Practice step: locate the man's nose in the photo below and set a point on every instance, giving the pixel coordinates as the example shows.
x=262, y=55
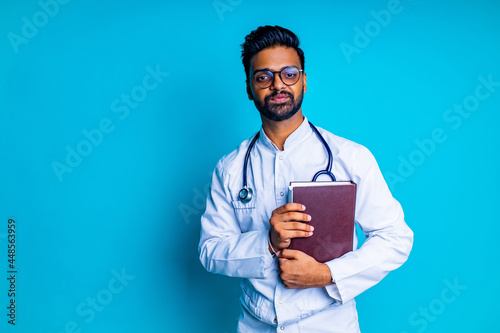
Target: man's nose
x=277, y=83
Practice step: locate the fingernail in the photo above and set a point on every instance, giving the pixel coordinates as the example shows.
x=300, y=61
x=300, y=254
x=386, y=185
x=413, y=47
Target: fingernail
x=303, y=207
x=310, y=234
x=311, y=228
x=309, y=217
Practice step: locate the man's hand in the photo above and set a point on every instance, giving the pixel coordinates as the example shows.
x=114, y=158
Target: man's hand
x=287, y=222
x=300, y=271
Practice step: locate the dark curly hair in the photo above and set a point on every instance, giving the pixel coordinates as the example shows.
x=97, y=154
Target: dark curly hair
x=265, y=37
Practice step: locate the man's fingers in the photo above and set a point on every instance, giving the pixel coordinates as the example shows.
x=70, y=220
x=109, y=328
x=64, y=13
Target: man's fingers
x=289, y=222
x=291, y=286
x=296, y=216
x=289, y=207
x=290, y=216
x=297, y=226
x=285, y=231
x=288, y=235
x=290, y=254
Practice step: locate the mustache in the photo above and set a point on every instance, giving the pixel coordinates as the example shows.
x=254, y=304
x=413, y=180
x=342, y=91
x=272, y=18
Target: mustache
x=268, y=97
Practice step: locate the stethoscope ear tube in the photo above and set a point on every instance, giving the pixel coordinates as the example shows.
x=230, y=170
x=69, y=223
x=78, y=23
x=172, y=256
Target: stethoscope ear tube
x=246, y=193
x=247, y=157
x=328, y=170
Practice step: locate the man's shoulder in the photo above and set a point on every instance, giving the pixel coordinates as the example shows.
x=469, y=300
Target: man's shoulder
x=340, y=145
x=235, y=159
x=351, y=156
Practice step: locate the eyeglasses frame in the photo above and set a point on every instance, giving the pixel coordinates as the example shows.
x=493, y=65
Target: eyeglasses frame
x=252, y=77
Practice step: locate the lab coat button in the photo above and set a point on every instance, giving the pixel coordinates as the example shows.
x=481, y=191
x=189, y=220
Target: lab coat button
x=282, y=328
x=282, y=194
x=281, y=157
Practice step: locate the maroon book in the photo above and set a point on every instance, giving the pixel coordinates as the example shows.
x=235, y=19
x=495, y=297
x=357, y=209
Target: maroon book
x=331, y=206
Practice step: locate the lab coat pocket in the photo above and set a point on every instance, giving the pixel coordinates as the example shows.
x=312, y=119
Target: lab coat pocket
x=246, y=215
x=251, y=300
x=314, y=300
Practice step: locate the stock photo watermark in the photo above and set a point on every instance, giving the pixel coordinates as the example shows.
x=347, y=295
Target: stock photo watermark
x=454, y=118
x=197, y=205
x=372, y=29
x=88, y=309
x=94, y=137
x=11, y=271
x=425, y=315
x=223, y=6
x=31, y=26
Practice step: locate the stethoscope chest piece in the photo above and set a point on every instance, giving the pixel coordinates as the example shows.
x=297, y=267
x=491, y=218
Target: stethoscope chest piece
x=245, y=194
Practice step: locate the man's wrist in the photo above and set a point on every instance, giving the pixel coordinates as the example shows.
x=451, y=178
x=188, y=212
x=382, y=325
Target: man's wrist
x=328, y=278
x=328, y=275
x=270, y=245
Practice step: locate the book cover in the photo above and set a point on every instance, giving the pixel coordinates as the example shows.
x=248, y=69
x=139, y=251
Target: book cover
x=331, y=206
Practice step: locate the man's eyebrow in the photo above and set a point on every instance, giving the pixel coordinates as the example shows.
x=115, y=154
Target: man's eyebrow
x=268, y=69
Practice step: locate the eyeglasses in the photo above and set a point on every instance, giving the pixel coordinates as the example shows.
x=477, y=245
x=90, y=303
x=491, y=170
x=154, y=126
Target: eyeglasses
x=288, y=75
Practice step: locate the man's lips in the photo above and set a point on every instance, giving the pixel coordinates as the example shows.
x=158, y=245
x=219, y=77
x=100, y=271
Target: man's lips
x=280, y=98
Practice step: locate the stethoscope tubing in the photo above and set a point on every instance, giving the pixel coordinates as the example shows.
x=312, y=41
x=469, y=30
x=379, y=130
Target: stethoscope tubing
x=246, y=192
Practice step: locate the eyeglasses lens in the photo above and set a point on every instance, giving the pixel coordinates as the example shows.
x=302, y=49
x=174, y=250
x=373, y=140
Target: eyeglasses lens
x=289, y=76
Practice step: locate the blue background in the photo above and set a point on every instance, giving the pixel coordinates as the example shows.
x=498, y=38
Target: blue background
x=132, y=204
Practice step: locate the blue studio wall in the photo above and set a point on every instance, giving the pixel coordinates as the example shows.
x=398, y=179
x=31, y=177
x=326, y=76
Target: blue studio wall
x=113, y=115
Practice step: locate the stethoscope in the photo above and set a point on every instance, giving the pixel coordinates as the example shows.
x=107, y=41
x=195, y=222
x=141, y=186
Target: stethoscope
x=246, y=193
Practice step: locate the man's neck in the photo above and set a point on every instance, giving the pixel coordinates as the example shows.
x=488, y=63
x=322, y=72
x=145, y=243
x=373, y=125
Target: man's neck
x=279, y=131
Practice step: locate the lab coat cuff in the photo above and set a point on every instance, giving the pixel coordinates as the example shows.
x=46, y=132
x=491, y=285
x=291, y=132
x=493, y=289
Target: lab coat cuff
x=267, y=259
x=333, y=289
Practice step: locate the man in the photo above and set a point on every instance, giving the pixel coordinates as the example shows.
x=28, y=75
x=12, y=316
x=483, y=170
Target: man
x=286, y=290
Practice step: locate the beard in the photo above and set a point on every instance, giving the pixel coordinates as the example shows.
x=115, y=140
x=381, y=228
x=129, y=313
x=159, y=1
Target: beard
x=279, y=111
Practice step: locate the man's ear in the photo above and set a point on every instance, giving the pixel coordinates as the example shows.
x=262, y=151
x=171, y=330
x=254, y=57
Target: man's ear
x=249, y=91
x=304, y=76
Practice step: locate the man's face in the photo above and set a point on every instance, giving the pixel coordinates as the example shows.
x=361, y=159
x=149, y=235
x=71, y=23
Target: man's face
x=278, y=101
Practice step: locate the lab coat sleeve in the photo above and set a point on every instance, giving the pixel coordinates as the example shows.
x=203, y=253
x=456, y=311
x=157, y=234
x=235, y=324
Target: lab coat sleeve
x=389, y=240
x=224, y=248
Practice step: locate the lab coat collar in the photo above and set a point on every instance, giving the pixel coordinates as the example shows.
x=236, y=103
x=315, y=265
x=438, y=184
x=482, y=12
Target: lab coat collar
x=297, y=136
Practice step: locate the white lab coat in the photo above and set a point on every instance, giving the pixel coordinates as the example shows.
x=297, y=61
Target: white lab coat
x=234, y=235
